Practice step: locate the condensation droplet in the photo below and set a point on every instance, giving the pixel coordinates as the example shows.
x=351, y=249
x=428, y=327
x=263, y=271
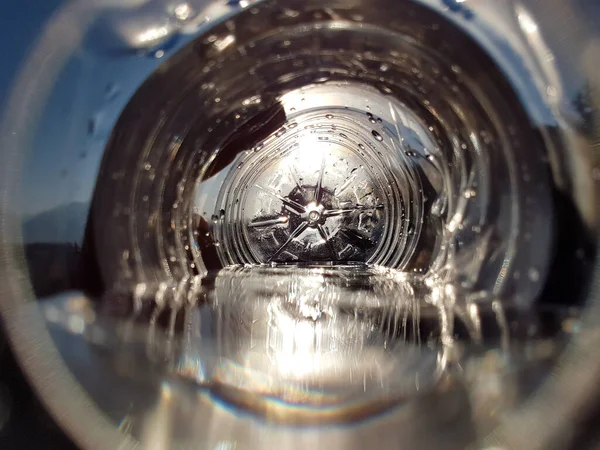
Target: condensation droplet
x=183, y=11
x=469, y=193
x=377, y=136
x=534, y=275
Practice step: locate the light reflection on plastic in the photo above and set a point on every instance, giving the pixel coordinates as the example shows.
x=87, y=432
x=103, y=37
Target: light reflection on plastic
x=527, y=23
x=152, y=34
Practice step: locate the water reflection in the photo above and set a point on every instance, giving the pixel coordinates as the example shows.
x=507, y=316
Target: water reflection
x=255, y=347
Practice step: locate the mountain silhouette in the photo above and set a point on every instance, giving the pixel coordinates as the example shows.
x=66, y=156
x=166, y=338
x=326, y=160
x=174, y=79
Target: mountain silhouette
x=63, y=224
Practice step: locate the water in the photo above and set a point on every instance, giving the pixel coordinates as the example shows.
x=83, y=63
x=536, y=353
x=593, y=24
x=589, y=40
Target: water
x=310, y=347
x=315, y=216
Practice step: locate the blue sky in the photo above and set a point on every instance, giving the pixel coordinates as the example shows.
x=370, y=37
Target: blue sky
x=85, y=103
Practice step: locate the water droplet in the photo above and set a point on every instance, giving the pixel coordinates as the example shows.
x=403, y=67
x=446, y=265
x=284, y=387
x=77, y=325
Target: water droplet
x=384, y=67
x=517, y=275
x=111, y=91
x=147, y=166
x=222, y=214
x=91, y=126
x=182, y=12
x=534, y=275
x=361, y=146
x=217, y=100
x=329, y=116
x=377, y=136
x=291, y=13
x=215, y=218
x=455, y=68
x=469, y=193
